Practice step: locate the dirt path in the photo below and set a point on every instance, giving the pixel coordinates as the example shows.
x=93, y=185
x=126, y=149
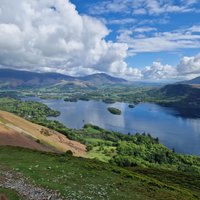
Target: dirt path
x=29, y=191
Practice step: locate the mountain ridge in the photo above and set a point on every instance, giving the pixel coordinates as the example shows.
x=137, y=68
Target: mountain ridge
x=11, y=78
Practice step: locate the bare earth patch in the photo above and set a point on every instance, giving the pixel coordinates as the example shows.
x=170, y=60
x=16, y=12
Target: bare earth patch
x=15, y=131
x=13, y=138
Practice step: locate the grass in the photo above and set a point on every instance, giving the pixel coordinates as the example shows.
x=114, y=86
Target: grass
x=92, y=130
x=170, y=177
x=101, y=154
x=94, y=140
x=10, y=194
x=82, y=179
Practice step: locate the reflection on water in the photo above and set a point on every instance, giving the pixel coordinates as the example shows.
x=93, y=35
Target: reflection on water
x=181, y=133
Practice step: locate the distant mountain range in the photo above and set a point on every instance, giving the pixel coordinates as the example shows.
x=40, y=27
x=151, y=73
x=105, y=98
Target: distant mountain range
x=10, y=78
x=102, y=78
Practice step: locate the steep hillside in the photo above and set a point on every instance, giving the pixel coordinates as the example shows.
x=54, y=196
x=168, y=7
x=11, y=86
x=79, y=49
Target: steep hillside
x=174, y=90
x=15, y=131
x=13, y=78
x=184, y=98
x=187, y=94
x=192, y=81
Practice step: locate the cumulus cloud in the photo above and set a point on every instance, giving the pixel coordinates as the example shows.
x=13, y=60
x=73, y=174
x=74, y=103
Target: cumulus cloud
x=189, y=65
x=159, y=72
x=50, y=35
x=188, y=68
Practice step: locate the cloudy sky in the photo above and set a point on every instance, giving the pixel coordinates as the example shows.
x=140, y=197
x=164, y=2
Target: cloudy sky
x=154, y=40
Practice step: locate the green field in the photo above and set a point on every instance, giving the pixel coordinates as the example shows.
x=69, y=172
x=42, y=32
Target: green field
x=79, y=178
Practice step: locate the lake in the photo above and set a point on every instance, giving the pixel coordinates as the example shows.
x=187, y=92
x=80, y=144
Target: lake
x=183, y=134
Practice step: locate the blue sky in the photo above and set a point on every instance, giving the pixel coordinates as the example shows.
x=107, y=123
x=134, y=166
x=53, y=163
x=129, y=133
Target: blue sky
x=121, y=16
x=153, y=40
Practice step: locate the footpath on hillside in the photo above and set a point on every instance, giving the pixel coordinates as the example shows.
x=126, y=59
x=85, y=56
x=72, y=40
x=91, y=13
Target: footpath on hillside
x=26, y=189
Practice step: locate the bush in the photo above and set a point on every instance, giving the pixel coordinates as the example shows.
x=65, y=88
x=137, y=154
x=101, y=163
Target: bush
x=69, y=153
x=38, y=141
x=89, y=147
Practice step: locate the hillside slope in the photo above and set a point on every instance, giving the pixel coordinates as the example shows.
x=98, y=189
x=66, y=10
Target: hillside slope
x=192, y=81
x=15, y=131
x=84, y=179
x=14, y=78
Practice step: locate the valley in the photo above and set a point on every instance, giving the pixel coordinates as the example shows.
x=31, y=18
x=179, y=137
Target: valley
x=99, y=100
x=55, y=120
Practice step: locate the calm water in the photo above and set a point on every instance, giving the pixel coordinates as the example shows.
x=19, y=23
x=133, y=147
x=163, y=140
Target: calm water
x=181, y=133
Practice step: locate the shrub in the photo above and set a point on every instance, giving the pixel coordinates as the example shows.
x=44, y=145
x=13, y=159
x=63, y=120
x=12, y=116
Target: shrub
x=69, y=153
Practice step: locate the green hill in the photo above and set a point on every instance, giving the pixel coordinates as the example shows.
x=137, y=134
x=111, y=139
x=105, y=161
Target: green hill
x=182, y=97
x=192, y=81
x=82, y=179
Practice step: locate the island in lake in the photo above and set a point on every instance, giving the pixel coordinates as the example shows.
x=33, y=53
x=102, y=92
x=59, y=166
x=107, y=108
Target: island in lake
x=114, y=111
x=131, y=106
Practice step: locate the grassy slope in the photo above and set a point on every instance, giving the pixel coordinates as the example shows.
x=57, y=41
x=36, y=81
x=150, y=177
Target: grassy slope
x=79, y=178
x=88, y=179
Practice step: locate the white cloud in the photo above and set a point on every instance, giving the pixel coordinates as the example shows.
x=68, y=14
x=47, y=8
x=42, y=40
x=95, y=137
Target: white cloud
x=161, y=41
x=115, y=6
x=189, y=65
x=194, y=28
x=139, y=11
x=188, y=68
x=151, y=7
x=122, y=21
x=159, y=7
x=144, y=29
x=50, y=35
x=159, y=72
x=189, y=2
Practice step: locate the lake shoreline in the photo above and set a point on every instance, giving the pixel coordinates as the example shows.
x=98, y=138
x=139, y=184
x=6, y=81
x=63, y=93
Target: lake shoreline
x=141, y=119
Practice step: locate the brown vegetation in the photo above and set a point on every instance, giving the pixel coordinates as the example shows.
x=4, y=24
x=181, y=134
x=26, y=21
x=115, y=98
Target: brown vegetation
x=15, y=131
